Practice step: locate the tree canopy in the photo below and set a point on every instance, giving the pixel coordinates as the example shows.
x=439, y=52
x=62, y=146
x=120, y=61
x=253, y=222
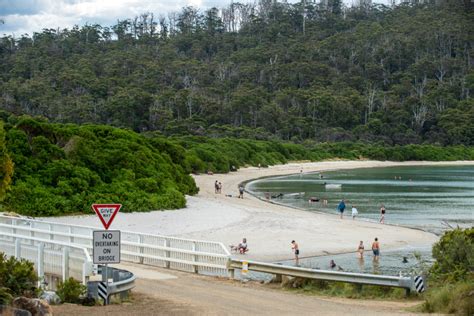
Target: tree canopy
x=396, y=75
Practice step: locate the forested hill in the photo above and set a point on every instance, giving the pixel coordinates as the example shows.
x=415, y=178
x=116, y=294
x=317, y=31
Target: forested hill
x=397, y=75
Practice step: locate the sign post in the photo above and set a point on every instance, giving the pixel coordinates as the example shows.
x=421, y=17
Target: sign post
x=106, y=243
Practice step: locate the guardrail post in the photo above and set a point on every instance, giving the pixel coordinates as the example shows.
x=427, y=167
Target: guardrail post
x=70, y=232
x=17, y=248
x=278, y=278
x=230, y=270
x=65, y=263
x=32, y=233
x=142, y=250
x=51, y=235
x=40, y=265
x=167, y=253
x=14, y=223
x=195, y=267
x=85, y=273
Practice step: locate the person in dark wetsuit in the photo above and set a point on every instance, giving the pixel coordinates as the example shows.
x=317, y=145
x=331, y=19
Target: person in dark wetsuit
x=341, y=207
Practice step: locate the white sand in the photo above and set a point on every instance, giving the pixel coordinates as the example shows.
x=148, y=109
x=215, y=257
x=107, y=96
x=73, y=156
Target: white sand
x=269, y=228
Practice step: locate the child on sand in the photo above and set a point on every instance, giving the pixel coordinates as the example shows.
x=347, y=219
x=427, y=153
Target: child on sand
x=354, y=212
x=241, y=192
x=296, y=250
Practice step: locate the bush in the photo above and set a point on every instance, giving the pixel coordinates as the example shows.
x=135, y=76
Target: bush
x=455, y=298
x=454, y=254
x=342, y=289
x=452, y=275
x=5, y=296
x=71, y=291
x=17, y=277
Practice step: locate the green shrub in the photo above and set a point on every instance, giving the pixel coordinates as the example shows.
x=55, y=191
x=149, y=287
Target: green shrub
x=17, y=277
x=61, y=169
x=71, y=291
x=454, y=254
x=342, y=289
x=5, y=296
x=451, y=281
x=455, y=298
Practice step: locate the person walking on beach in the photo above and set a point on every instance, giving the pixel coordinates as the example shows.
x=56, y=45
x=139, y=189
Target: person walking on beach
x=341, y=207
x=382, y=214
x=354, y=212
x=360, y=250
x=376, y=249
x=216, y=187
x=296, y=250
x=219, y=190
x=241, y=192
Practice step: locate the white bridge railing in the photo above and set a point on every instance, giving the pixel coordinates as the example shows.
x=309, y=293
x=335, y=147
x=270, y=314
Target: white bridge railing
x=50, y=257
x=197, y=256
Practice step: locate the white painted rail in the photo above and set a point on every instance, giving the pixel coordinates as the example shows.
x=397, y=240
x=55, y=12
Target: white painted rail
x=197, y=256
x=357, y=278
x=50, y=257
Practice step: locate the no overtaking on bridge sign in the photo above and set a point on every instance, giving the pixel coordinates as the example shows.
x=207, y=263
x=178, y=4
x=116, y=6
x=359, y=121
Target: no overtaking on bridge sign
x=106, y=248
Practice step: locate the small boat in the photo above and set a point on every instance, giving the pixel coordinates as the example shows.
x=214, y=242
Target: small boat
x=333, y=185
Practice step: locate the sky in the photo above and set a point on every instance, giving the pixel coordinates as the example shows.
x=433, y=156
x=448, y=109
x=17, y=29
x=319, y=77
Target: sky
x=28, y=16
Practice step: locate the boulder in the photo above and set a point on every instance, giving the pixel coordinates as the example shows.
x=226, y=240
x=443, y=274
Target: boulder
x=37, y=307
x=51, y=297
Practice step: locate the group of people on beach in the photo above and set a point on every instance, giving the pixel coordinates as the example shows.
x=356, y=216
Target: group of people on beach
x=242, y=247
x=341, y=207
x=218, y=190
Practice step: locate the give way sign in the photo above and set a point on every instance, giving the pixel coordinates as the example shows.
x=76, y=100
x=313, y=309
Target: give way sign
x=106, y=212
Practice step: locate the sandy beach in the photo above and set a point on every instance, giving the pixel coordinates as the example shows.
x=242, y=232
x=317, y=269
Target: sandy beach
x=269, y=228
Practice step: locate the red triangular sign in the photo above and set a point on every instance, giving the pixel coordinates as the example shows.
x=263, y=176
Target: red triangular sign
x=106, y=212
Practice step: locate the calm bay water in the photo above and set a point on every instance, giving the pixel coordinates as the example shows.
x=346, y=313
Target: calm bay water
x=425, y=197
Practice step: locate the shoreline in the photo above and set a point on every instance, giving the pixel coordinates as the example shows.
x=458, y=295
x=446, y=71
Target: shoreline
x=268, y=227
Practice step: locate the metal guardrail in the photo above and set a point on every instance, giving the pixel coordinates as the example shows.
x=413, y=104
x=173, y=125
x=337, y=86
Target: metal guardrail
x=357, y=278
x=189, y=255
x=122, y=282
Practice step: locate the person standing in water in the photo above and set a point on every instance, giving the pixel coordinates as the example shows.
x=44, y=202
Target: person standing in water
x=360, y=250
x=376, y=249
x=382, y=214
x=341, y=207
x=296, y=250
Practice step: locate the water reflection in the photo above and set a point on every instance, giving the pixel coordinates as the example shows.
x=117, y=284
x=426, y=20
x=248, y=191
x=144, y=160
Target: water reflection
x=375, y=266
x=361, y=265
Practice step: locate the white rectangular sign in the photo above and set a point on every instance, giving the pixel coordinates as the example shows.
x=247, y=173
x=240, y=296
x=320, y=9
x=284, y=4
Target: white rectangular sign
x=106, y=246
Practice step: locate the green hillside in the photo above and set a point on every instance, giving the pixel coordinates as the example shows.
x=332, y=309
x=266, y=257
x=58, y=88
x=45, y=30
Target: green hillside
x=400, y=75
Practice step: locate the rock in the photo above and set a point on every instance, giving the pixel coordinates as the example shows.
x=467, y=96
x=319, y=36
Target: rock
x=51, y=297
x=37, y=307
x=294, y=282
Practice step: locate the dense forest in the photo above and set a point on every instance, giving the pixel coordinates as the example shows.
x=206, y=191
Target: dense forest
x=374, y=74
